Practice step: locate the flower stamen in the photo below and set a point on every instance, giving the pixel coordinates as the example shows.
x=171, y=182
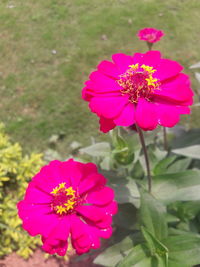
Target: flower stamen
x=64, y=199
x=138, y=81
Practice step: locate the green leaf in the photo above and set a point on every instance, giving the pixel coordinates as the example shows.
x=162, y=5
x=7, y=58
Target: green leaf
x=172, y=219
x=190, y=151
x=182, y=186
x=186, y=210
x=137, y=171
x=191, y=209
x=171, y=165
x=106, y=163
x=126, y=216
x=184, y=248
x=112, y=255
x=122, y=153
x=132, y=140
x=118, y=141
x=173, y=263
x=189, y=138
x=138, y=256
x=161, y=261
x=101, y=149
x=179, y=165
x=153, y=216
x=155, y=155
x=126, y=189
x=162, y=166
x=159, y=250
x=123, y=157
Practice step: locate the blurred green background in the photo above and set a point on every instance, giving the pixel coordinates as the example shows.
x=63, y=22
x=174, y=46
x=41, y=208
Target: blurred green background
x=48, y=48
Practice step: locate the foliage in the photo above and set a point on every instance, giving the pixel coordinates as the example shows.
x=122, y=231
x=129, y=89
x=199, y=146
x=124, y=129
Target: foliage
x=160, y=229
x=15, y=172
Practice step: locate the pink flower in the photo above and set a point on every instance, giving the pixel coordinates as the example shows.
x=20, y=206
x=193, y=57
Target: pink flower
x=151, y=35
x=68, y=200
x=143, y=89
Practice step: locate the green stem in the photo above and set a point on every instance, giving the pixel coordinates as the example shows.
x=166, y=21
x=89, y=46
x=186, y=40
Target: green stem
x=150, y=45
x=142, y=141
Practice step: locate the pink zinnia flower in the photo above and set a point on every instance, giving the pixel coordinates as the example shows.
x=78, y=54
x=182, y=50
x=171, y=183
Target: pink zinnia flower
x=143, y=89
x=151, y=35
x=68, y=200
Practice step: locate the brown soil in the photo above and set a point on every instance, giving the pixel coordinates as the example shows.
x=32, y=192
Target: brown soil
x=38, y=260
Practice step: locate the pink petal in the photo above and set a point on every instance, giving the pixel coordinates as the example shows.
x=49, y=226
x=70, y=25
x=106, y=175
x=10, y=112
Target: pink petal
x=109, y=69
x=86, y=169
x=56, y=241
x=137, y=58
x=111, y=208
x=87, y=94
x=105, y=223
x=90, y=92
x=60, y=248
x=108, y=107
x=102, y=83
x=151, y=58
x=176, y=90
x=37, y=219
x=71, y=173
x=77, y=227
x=48, y=248
x=61, y=230
x=106, y=124
x=83, y=237
x=93, y=214
x=122, y=61
x=101, y=197
x=82, y=243
x=183, y=110
x=55, y=173
x=167, y=69
x=146, y=116
x=93, y=181
x=104, y=233
x=168, y=115
x=49, y=177
x=36, y=196
x=104, y=218
x=126, y=118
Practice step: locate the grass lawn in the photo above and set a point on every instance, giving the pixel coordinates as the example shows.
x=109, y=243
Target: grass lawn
x=48, y=48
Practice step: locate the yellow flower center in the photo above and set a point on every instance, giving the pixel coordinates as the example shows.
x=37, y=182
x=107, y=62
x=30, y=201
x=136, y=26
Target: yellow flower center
x=138, y=81
x=65, y=199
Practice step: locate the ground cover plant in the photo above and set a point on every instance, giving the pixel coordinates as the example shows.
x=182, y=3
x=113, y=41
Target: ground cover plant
x=133, y=198
x=15, y=172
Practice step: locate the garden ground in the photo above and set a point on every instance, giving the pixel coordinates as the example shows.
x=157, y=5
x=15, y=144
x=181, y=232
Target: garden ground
x=38, y=260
